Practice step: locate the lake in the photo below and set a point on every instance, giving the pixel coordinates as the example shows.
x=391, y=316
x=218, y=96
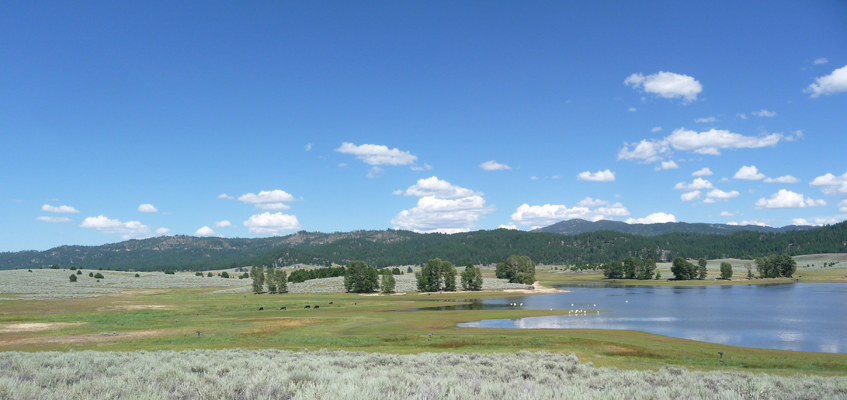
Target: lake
x=800, y=317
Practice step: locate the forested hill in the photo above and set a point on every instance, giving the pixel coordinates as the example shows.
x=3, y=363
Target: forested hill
x=393, y=247
x=577, y=226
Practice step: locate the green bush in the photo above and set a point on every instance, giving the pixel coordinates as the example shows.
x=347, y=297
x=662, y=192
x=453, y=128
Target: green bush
x=73, y=278
x=224, y=274
x=98, y=276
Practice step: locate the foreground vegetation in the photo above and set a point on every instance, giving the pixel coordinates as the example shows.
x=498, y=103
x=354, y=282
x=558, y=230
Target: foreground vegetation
x=266, y=374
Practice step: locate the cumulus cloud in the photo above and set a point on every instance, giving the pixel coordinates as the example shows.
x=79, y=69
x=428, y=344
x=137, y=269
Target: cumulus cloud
x=163, y=231
x=795, y=137
x=727, y=214
x=709, y=201
x=690, y=195
x=843, y=205
x=702, y=172
x=589, y=202
x=437, y=188
x=667, y=84
x=533, y=178
x=742, y=116
x=549, y=214
x=446, y=215
x=225, y=196
x=268, y=200
x=632, y=109
x=205, y=231
x=821, y=60
x=342, y=165
x=708, y=142
x=59, y=209
x=656, y=218
x=599, y=176
x=800, y=221
x=831, y=184
x=750, y=173
x=764, y=113
x=223, y=224
x=426, y=167
x=493, y=166
x=130, y=229
x=836, y=82
x=782, y=179
x=308, y=146
x=706, y=119
x=656, y=129
x=755, y=222
x=697, y=183
x=374, y=154
x=271, y=224
x=510, y=226
x=720, y=194
x=788, y=199
x=54, y=220
x=147, y=208
x=667, y=165
x=375, y=172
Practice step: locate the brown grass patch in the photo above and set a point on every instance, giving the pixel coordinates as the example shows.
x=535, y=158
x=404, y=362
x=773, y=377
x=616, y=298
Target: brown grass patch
x=135, y=307
x=90, y=338
x=273, y=326
x=39, y=326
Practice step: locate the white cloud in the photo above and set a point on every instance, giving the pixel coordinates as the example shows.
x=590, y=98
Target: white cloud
x=788, y=199
x=690, y=195
x=163, y=231
x=800, y=221
x=821, y=60
x=831, y=184
x=706, y=119
x=826, y=221
x=426, y=167
x=271, y=224
x=147, y=208
x=262, y=199
x=589, y=202
x=225, y=196
x=533, y=178
x=342, y=165
x=782, y=179
x=493, y=166
x=599, y=176
x=510, y=226
x=727, y=214
x=709, y=201
x=434, y=214
x=54, y=220
x=713, y=140
x=273, y=206
x=375, y=172
x=130, y=229
x=656, y=218
x=702, y=172
x=697, y=183
x=843, y=205
x=632, y=109
x=656, y=129
x=549, y=214
x=720, y=194
x=795, y=137
x=646, y=150
x=750, y=173
x=59, y=209
x=742, y=116
x=206, y=231
x=308, y=146
x=667, y=165
x=835, y=82
x=667, y=84
x=223, y=224
x=437, y=188
x=374, y=154
x=764, y=113
x=754, y=222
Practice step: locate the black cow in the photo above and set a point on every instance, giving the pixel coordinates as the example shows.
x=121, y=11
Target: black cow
x=261, y=308
x=317, y=307
x=282, y=308
x=308, y=306
x=330, y=302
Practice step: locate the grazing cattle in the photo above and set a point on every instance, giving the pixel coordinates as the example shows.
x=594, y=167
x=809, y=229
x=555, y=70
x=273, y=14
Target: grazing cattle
x=330, y=302
x=282, y=308
x=308, y=306
x=261, y=308
x=317, y=307
x=198, y=333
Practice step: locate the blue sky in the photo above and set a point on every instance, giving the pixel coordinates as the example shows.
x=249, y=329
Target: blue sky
x=247, y=119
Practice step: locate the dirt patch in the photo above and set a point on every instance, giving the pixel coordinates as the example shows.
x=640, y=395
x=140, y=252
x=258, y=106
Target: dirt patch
x=36, y=326
x=135, y=307
x=538, y=290
x=278, y=325
x=90, y=338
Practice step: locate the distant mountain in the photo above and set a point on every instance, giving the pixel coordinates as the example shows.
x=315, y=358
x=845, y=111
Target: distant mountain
x=577, y=226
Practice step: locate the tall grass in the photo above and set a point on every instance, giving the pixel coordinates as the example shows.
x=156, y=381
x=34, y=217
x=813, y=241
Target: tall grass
x=272, y=374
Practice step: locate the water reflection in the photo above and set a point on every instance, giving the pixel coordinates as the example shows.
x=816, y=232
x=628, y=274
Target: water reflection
x=803, y=317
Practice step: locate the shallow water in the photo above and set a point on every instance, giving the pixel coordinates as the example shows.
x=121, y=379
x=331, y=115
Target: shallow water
x=800, y=317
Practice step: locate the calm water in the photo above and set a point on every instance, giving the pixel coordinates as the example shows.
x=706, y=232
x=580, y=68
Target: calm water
x=801, y=317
